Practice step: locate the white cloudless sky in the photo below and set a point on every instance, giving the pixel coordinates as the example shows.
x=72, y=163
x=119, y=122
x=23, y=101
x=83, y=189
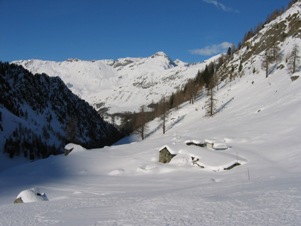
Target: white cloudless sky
x=190, y=30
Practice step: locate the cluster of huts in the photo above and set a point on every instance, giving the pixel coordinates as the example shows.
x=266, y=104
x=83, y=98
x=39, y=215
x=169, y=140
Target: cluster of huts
x=166, y=153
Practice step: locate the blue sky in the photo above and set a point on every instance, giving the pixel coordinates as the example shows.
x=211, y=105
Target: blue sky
x=190, y=30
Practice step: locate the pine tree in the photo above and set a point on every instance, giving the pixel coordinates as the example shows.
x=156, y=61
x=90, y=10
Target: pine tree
x=294, y=59
x=210, y=104
x=240, y=67
x=275, y=52
x=229, y=52
x=199, y=79
x=191, y=91
x=161, y=111
x=71, y=130
x=208, y=73
x=164, y=114
x=141, y=123
x=266, y=61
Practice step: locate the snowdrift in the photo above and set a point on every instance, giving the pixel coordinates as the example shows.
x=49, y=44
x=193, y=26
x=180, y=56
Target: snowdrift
x=31, y=195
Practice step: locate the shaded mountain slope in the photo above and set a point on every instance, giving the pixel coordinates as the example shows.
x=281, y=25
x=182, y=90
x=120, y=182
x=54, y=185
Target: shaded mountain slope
x=39, y=115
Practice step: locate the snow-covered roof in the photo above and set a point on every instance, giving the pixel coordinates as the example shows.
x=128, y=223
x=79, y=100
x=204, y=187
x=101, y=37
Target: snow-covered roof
x=193, y=141
x=210, y=141
x=206, y=157
x=220, y=146
x=172, y=151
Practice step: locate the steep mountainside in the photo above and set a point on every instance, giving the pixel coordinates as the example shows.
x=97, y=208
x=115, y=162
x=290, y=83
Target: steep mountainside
x=272, y=48
x=120, y=85
x=39, y=115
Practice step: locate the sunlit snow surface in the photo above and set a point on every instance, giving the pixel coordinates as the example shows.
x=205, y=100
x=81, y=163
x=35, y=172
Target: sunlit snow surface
x=121, y=85
x=126, y=185
x=259, y=120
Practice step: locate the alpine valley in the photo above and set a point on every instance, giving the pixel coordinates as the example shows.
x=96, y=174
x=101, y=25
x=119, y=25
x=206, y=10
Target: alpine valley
x=228, y=154
x=123, y=84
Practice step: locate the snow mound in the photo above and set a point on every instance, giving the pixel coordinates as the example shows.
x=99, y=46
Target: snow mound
x=31, y=195
x=181, y=159
x=74, y=148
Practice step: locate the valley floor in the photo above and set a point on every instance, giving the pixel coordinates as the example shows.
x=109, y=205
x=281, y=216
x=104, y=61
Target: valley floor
x=185, y=198
x=126, y=185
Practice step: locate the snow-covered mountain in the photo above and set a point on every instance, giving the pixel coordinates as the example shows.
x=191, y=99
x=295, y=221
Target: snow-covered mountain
x=258, y=117
x=39, y=115
x=273, y=44
x=120, y=85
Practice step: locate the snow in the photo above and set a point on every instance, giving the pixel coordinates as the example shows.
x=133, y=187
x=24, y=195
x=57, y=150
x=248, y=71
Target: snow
x=121, y=85
x=74, y=148
x=32, y=195
x=125, y=184
x=220, y=146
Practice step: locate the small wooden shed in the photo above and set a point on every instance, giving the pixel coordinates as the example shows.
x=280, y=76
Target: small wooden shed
x=165, y=155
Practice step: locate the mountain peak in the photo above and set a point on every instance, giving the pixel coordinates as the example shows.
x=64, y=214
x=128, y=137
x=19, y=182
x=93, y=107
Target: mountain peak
x=117, y=84
x=160, y=54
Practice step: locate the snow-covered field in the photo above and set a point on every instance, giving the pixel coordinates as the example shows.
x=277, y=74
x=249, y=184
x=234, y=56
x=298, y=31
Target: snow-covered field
x=259, y=119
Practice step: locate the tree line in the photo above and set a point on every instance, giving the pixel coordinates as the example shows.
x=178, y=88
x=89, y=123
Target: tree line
x=252, y=32
x=273, y=55
x=204, y=84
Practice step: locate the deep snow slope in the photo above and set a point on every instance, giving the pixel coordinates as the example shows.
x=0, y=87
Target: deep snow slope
x=257, y=117
x=126, y=185
x=120, y=85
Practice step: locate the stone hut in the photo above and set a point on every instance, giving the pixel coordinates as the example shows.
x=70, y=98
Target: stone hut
x=165, y=155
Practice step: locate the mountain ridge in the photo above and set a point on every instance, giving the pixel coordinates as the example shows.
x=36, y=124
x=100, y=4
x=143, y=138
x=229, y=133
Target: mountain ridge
x=257, y=117
x=120, y=85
